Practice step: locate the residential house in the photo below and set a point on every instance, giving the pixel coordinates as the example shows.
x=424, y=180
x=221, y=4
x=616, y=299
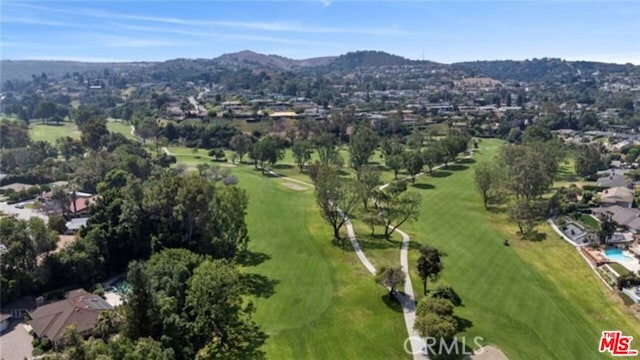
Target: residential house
x=614, y=180
x=81, y=204
x=629, y=218
x=74, y=225
x=79, y=307
x=621, y=196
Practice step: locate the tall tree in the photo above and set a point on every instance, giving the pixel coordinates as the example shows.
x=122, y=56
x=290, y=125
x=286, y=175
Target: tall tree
x=488, y=181
x=240, y=143
x=221, y=326
x=368, y=180
x=395, y=208
x=390, y=277
x=432, y=156
x=267, y=151
x=429, y=265
x=362, y=143
x=413, y=163
x=607, y=227
x=527, y=214
x=139, y=307
x=588, y=160
x=302, y=151
x=335, y=196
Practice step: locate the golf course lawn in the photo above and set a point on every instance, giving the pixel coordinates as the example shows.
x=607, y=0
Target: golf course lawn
x=325, y=305
x=533, y=299
x=120, y=127
x=51, y=132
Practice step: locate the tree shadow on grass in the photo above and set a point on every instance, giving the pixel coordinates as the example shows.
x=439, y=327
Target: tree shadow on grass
x=456, y=167
x=282, y=166
x=259, y=285
x=376, y=242
x=467, y=161
x=440, y=173
x=534, y=236
x=391, y=302
x=252, y=258
x=422, y=186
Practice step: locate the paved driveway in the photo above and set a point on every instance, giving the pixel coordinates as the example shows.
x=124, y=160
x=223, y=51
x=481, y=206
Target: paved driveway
x=15, y=343
x=24, y=213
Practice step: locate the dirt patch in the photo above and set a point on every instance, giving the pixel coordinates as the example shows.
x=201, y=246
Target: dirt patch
x=64, y=240
x=294, y=186
x=488, y=353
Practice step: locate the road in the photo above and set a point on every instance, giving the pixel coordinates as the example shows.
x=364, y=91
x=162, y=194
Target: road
x=24, y=213
x=199, y=108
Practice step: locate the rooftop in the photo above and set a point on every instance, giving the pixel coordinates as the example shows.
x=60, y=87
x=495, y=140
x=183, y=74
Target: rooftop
x=80, y=308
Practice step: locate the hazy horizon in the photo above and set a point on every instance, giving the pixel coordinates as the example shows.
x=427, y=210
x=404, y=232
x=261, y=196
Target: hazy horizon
x=444, y=32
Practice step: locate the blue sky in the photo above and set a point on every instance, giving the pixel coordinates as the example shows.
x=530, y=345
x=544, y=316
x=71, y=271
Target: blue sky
x=434, y=30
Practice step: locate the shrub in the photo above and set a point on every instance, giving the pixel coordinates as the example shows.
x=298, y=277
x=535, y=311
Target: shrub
x=447, y=292
x=57, y=223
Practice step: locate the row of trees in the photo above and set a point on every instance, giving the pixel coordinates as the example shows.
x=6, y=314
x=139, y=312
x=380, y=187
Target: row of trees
x=524, y=173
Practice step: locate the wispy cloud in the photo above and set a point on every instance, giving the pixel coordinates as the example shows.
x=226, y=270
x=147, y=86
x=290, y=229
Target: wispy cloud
x=290, y=27
x=217, y=35
x=30, y=21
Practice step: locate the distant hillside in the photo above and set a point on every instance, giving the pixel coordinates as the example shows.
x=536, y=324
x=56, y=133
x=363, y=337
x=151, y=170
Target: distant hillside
x=24, y=69
x=364, y=59
x=276, y=62
x=541, y=69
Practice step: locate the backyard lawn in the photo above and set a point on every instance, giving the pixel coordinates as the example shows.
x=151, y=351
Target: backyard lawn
x=51, y=132
x=534, y=300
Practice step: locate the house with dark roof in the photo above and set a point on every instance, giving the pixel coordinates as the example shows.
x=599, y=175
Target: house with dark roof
x=79, y=308
x=614, y=180
x=622, y=196
x=629, y=218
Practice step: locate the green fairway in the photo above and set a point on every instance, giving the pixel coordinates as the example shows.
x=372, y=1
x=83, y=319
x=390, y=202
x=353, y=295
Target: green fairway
x=534, y=300
x=51, y=132
x=325, y=306
x=120, y=127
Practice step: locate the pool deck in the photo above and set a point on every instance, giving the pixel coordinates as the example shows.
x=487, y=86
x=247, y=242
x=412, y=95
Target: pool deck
x=632, y=265
x=112, y=298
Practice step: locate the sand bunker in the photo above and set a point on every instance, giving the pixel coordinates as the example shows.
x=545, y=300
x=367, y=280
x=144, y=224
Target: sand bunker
x=294, y=186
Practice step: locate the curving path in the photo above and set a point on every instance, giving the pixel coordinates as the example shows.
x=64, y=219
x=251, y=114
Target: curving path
x=407, y=298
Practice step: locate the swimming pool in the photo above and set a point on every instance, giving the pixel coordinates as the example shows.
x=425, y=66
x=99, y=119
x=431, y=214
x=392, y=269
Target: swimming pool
x=617, y=255
x=121, y=285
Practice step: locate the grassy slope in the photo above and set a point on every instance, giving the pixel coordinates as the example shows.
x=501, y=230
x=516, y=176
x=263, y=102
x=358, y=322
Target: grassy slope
x=50, y=132
x=535, y=300
x=120, y=128
x=326, y=305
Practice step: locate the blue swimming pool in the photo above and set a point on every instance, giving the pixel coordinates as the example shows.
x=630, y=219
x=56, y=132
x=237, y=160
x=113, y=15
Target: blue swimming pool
x=617, y=255
x=121, y=285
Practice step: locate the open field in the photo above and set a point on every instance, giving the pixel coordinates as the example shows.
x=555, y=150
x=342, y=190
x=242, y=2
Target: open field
x=534, y=300
x=51, y=132
x=325, y=305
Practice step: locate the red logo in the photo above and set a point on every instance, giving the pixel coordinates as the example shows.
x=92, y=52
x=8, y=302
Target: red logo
x=617, y=344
